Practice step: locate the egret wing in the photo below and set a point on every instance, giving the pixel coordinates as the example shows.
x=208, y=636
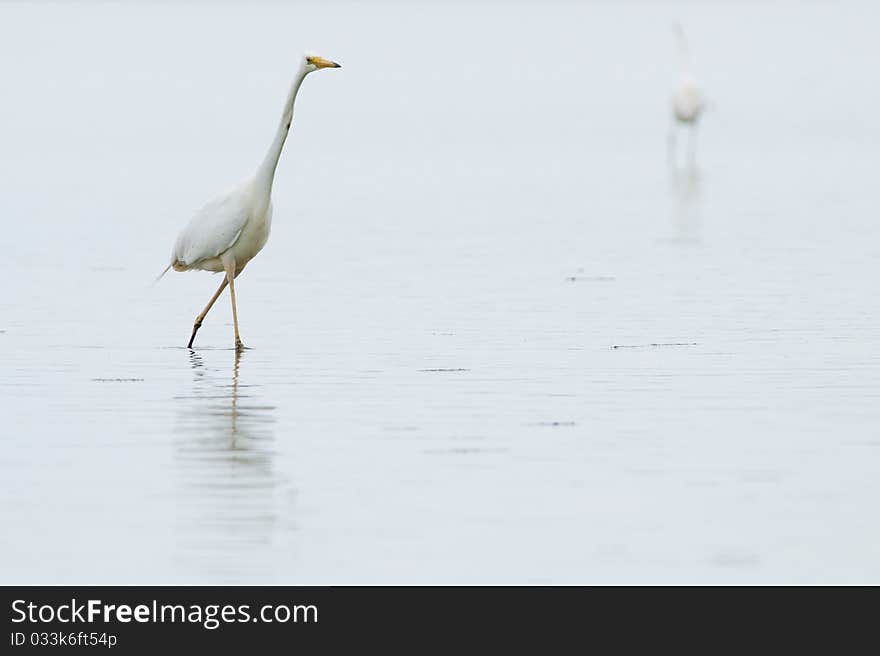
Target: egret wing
x=214, y=229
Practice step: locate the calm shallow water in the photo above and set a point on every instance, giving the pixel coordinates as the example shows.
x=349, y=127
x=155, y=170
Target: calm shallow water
x=493, y=338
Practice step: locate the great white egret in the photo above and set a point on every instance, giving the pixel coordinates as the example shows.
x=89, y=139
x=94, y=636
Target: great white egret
x=233, y=227
x=688, y=101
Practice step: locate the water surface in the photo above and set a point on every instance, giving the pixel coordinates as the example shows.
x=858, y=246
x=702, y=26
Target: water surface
x=493, y=337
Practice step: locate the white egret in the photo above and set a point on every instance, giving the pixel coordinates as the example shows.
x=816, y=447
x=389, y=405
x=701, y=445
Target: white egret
x=688, y=101
x=233, y=227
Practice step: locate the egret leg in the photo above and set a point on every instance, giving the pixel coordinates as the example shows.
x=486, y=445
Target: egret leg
x=670, y=145
x=204, y=313
x=692, y=145
x=229, y=265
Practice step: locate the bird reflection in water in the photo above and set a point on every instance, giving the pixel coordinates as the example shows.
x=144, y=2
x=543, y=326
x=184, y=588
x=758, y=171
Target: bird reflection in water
x=227, y=480
x=686, y=187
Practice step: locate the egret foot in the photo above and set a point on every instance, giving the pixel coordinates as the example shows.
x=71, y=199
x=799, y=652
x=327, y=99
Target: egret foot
x=196, y=326
x=239, y=346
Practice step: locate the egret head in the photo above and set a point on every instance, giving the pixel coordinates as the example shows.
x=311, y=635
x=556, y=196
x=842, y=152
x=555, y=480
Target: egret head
x=315, y=62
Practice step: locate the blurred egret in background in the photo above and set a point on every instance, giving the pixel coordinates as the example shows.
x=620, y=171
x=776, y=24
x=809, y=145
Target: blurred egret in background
x=688, y=101
x=233, y=227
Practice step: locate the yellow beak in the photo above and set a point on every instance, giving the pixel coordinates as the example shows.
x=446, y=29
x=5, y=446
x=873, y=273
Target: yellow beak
x=320, y=62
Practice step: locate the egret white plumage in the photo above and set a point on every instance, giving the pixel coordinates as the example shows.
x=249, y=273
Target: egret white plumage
x=232, y=228
x=688, y=100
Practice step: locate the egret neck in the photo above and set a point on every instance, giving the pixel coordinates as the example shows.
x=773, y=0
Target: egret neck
x=266, y=172
x=684, y=55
